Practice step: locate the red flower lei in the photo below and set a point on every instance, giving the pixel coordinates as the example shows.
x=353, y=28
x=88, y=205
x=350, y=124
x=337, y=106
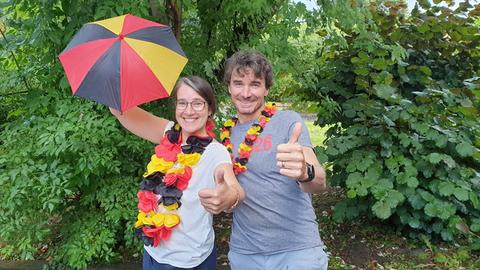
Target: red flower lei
x=245, y=148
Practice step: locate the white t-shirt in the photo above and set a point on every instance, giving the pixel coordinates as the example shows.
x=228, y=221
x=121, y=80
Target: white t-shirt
x=192, y=241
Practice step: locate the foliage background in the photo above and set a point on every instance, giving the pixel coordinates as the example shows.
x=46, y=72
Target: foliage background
x=399, y=91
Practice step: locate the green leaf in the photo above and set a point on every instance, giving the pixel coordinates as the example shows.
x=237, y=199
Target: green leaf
x=404, y=139
x=414, y=223
x=423, y=28
x=431, y=209
x=361, y=71
x=416, y=201
x=382, y=210
x=381, y=189
x=466, y=103
x=475, y=227
x=474, y=199
x=461, y=194
x=379, y=64
x=362, y=191
x=355, y=60
x=449, y=161
x=435, y=158
x=371, y=176
x=412, y=182
x=465, y=149
x=440, y=209
x=363, y=55
x=351, y=194
x=446, y=188
x=389, y=122
x=394, y=198
x=426, y=70
x=354, y=179
x=427, y=196
x=384, y=91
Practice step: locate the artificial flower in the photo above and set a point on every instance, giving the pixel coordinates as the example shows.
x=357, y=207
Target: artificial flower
x=171, y=220
x=244, y=147
x=251, y=137
x=167, y=150
x=224, y=134
x=189, y=159
x=157, y=165
x=170, y=195
x=254, y=130
x=147, y=201
x=244, y=154
x=229, y=123
x=171, y=207
x=158, y=219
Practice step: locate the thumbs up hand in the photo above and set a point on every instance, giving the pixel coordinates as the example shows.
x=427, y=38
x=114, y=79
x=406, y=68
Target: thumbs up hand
x=218, y=199
x=290, y=157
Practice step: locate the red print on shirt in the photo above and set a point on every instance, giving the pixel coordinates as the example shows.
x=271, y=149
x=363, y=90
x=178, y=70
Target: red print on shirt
x=262, y=144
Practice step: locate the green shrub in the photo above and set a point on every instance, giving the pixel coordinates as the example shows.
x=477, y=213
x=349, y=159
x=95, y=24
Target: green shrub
x=406, y=136
x=68, y=173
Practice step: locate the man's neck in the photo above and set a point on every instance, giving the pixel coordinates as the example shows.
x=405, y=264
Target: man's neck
x=242, y=118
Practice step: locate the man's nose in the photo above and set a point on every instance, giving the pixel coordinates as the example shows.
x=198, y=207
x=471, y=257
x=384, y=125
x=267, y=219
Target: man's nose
x=246, y=92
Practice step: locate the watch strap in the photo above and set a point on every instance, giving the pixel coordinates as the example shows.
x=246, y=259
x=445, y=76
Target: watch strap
x=310, y=174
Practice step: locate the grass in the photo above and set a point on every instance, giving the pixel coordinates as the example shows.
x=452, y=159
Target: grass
x=317, y=134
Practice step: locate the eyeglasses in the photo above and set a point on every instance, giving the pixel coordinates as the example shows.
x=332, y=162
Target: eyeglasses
x=197, y=105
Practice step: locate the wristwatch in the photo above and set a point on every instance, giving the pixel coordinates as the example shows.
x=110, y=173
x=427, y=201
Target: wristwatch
x=310, y=174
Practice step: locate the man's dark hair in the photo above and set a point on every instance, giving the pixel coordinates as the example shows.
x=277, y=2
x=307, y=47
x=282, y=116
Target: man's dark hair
x=242, y=61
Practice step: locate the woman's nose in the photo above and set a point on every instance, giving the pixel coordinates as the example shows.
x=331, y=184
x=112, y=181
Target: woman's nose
x=189, y=109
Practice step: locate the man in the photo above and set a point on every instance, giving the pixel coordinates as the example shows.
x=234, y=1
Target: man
x=275, y=227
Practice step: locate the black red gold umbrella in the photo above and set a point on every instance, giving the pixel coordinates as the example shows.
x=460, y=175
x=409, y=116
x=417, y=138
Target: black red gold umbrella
x=123, y=61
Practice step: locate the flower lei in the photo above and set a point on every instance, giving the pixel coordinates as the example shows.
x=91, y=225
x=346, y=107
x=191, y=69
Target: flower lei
x=167, y=175
x=245, y=148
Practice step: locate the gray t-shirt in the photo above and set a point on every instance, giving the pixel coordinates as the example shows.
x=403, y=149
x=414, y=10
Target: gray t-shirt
x=276, y=215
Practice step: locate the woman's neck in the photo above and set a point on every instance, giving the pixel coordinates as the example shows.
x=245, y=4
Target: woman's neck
x=200, y=133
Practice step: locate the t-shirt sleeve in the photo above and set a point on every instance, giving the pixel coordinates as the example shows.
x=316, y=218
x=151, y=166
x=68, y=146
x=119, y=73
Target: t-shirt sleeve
x=219, y=155
x=304, y=139
x=168, y=126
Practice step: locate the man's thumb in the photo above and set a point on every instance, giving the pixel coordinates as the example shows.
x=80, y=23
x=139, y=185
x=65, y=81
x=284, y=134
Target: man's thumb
x=297, y=131
x=220, y=177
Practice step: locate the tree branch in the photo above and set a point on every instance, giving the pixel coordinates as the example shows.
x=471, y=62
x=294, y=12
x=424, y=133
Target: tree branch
x=174, y=13
x=154, y=8
x=16, y=62
x=13, y=93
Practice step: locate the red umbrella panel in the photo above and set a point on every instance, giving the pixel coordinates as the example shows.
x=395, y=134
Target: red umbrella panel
x=123, y=61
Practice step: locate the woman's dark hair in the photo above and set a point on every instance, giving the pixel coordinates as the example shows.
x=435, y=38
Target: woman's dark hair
x=201, y=86
x=241, y=61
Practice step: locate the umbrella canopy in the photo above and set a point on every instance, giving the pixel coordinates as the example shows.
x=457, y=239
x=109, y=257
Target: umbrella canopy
x=123, y=61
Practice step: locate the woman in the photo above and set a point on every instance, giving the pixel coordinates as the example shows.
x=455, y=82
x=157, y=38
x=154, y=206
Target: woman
x=175, y=227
